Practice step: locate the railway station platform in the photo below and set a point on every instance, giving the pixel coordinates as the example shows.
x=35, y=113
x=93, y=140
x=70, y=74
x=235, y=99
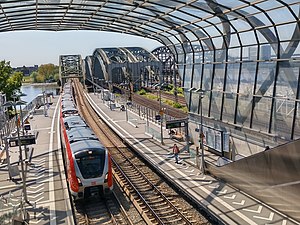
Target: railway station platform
x=222, y=201
x=46, y=187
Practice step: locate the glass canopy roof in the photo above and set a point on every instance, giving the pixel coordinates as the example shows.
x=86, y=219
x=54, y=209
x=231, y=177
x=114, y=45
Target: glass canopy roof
x=244, y=54
x=165, y=20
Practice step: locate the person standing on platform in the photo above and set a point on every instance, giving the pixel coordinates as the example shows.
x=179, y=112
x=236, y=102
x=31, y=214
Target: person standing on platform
x=176, y=152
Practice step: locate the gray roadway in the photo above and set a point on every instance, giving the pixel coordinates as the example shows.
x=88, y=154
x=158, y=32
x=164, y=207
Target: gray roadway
x=45, y=180
x=229, y=205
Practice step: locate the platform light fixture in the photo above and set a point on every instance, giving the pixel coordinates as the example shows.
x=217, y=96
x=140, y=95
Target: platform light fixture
x=201, y=134
x=14, y=104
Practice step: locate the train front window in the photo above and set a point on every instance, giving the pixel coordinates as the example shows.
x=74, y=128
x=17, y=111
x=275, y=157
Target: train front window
x=91, y=163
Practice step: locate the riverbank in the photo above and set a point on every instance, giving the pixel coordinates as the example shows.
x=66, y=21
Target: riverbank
x=54, y=84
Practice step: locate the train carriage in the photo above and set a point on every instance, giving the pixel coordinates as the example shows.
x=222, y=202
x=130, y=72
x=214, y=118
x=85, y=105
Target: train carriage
x=88, y=162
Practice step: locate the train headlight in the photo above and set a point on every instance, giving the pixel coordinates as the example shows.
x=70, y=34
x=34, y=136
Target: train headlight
x=79, y=181
x=106, y=177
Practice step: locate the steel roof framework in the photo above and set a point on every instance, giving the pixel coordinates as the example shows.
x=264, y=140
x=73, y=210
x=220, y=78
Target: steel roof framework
x=243, y=53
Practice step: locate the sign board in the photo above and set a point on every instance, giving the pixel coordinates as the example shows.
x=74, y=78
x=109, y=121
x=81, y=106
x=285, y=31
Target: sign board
x=175, y=123
x=27, y=127
x=25, y=140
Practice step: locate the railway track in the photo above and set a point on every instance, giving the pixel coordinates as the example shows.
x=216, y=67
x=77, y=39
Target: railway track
x=102, y=210
x=153, y=104
x=169, y=110
x=154, y=205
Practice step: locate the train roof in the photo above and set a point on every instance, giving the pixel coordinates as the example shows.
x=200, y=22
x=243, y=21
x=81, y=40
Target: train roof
x=74, y=121
x=81, y=133
x=86, y=145
x=69, y=109
x=67, y=103
x=67, y=96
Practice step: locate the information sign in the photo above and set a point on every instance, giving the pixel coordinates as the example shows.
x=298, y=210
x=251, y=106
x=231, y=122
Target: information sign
x=25, y=140
x=175, y=123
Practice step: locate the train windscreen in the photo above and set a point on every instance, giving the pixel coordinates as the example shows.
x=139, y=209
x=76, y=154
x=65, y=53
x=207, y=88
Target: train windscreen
x=90, y=163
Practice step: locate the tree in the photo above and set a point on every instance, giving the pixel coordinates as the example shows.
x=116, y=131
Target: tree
x=9, y=80
x=48, y=71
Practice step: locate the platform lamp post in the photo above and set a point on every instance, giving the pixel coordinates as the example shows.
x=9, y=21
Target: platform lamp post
x=18, y=95
x=201, y=134
x=14, y=105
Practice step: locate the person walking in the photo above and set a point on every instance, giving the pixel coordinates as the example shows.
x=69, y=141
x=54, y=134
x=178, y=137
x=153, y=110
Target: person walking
x=176, y=152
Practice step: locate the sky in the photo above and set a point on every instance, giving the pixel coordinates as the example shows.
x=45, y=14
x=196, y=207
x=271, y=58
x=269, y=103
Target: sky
x=28, y=48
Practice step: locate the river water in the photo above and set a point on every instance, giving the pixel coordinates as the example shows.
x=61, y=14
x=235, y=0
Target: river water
x=32, y=91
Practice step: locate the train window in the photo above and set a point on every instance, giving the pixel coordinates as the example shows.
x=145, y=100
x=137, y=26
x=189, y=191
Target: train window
x=91, y=165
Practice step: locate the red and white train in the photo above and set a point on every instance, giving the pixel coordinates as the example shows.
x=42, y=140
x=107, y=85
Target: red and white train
x=88, y=162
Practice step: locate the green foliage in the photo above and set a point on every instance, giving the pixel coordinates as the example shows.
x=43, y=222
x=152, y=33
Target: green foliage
x=9, y=80
x=177, y=105
x=178, y=89
x=142, y=92
x=27, y=79
x=47, y=72
x=33, y=76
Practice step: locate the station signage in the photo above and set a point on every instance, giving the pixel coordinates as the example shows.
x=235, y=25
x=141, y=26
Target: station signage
x=25, y=140
x=175, y=123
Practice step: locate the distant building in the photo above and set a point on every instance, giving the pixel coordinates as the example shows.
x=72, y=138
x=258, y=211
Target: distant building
x=265, y=52
x=26, y=70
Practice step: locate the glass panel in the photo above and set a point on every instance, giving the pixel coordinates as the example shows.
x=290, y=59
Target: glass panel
x=208, y=56
x=262, y=113
x=216, y=104
x=247, y=78
x=205, y=103
x=249, y=10
x=219, y=77
x=234, y=54
x=197, y=76
x=297, y=123
x=187, y=96
x=189, y=58
x=286, y=31
x=194, y=102
x=212, y=31
x=240, y=25
x=191, y=36
x=174, y=40
x=248, y=38
x=232, y=77
x=218, y=42
x=181, y=15
x=188, y=76
x=230, y=3
x=265, y=78
x=281, y=15
x=250, y=53
x=207, y=76
x=265, y=52
x=270, y=4
x=244, y=110
x=229, y=107
x=262, y=18
x=287, y=82
x=198, y=57
x=234, y=41
x=181, y=58
x=220, y=55
x=283, y=117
